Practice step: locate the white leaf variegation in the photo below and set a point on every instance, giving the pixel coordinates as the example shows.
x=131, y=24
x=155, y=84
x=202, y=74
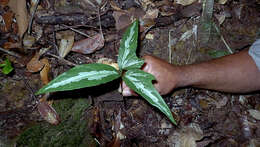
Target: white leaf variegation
x=81, y=76
x=127, y=58
x=141, y=83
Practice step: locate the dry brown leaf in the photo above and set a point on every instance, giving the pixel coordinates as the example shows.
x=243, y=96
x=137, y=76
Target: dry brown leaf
x=114, y=6
x=21, y=15
x=151, y=13
x=186, y=137
x=220, y=18
x=185, y=2
x=10, y=45
x=203, y=104
x=45, y=71
x=35, y=65
x=117, y=123
x=108, y=61
x=89, y=45
x=191, y=10
x=66, y=45
x=4, y=2
x=222, y=2
x=149, y=36
x=222, y=102
x=123, y=19
x=28, y=40
x=146, y=3
x=254, y=113
x=48, y=113
x=8, y=19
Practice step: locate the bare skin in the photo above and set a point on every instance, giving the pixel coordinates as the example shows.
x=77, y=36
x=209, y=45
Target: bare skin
x=235, y=73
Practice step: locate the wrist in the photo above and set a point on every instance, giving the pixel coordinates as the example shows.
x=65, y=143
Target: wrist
x=184, y=76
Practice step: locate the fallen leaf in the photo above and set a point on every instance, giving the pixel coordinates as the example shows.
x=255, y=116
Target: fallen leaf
x=146, y=3
x=204, y=104
x=45, y=71
x=94, y=3
x=222, y=102
x=28, y=41
x=186, y=136
x=7, y=67
x=191, y=10
x=185, y=2
x=4, y=2
x=151, y=13
x=254, y=142
x=48, y=113
x=122, y=19
x=35, y=65
x=149, y=36
x=66, y=45
x=222, y=2
x=117, y=124
x=39, y=31
x=254, y=113
x=146, y=24
x=220, y=17
x=114, y=6
x=89, y=45
x=21, y=15
x=8, y=20
x=218, y=53
x=189, y=33
x=44, y=50
x=10, y=45
x=108, y=62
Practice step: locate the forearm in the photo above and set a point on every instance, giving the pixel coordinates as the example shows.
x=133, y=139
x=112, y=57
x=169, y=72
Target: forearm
x=235, y=73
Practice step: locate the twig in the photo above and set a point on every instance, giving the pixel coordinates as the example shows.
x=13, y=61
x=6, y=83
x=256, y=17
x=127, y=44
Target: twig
x=10, y=53
x=100, y=28
x=222, y=38
x=54, y=40
x=28, y=86
x=76, y=26
x=33, y=13
x=169, y=46
x=62, y=59
x=84, y=34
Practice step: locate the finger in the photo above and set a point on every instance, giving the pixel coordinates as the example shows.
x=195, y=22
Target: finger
x=126, y=91
x=145, y=67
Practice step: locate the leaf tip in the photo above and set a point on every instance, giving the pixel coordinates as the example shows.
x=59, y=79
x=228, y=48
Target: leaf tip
x=173, y=121
x=41, y=91
x=38, y=92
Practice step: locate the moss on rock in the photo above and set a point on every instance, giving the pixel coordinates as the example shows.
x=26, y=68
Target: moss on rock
x=71, y=132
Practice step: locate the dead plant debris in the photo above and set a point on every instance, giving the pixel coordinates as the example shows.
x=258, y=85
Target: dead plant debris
x=64, y=33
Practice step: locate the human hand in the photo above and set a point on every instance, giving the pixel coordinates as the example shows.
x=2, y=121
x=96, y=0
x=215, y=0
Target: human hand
x=166, y=75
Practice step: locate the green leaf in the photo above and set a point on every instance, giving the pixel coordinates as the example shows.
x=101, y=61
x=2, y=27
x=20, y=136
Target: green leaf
x=7, y=67
x=217, y=54
x=2, y=65
x=81, y=76
x=127, y=58
x=141, y=82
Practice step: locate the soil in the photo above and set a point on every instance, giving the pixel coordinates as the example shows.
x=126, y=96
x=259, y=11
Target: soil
x=101, y=116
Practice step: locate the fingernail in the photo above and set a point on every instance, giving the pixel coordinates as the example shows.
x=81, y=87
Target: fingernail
x=119, y=89
x=126, y=93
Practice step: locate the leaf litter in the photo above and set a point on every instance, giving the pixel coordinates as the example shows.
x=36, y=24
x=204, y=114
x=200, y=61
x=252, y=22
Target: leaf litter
x=219, y=119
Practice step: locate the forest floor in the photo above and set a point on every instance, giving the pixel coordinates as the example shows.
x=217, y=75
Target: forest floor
x=181, y=32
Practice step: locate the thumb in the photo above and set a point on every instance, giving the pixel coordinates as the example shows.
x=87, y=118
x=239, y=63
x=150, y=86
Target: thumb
x=126, y=91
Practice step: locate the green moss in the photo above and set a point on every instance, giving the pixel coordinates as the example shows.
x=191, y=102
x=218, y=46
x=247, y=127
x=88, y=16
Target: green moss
x=32, y=136
x=71, y=132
